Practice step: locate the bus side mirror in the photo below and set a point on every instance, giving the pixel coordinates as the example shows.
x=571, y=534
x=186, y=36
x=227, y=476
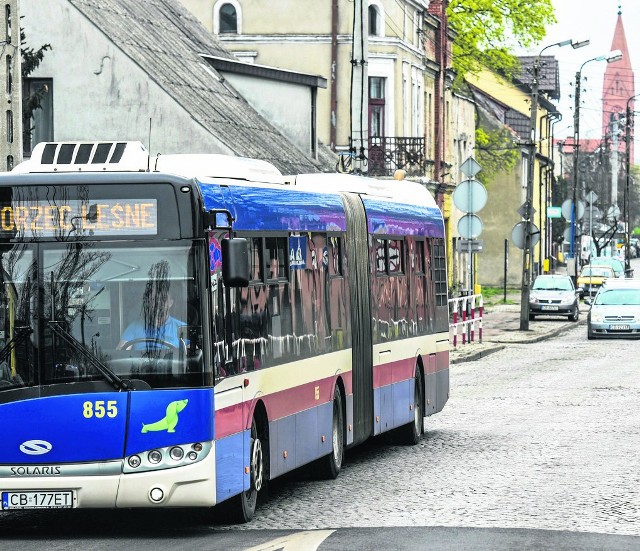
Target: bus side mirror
x=235, y=262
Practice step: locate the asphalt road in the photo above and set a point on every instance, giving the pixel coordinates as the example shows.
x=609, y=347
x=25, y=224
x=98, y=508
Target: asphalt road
x=536, y=449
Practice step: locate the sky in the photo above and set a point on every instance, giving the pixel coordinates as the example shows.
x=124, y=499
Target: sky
x=596, y=20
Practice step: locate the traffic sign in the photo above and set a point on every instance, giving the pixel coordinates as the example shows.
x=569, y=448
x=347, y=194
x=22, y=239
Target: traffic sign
x=462, y=245
x=469, y=226
x=566, y=209
x=554, y=212
x=518, y=235
x=522, y=211
x=567, y=233
x=470, y=196
x=470, y=167
x=613, y=212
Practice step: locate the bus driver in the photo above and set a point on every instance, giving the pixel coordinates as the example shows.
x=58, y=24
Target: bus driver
x=157, y=328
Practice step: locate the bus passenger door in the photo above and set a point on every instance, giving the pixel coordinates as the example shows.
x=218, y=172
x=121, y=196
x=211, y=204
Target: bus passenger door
x=230, y=436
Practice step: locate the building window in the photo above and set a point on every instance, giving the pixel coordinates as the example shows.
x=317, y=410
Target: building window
x=9, y=70
x=8, y=29
x=374, y=22
x=227, y=17
x=376, y=107
x=40, y=127
x=9, y=126
x=376, y=18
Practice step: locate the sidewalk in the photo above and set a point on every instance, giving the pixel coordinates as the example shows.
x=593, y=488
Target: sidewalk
x=501, y=327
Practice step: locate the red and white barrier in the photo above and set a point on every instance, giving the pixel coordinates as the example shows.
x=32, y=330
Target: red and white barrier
x=466, y=318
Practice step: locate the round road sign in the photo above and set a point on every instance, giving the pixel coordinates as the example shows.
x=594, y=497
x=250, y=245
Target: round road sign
x=470, y=196
x=469, y=226
x=517, y=234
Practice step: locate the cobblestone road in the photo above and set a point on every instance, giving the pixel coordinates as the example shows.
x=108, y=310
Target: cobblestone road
x=541, y=435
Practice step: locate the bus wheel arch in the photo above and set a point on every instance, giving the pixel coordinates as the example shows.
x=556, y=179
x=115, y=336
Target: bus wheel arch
x=411, y=433
x=259, y=445
x=241, y=508
x=330, y=465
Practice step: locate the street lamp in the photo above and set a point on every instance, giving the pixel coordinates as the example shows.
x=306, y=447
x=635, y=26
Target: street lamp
x=527, y=256
x=615, y=55
x=628, y=121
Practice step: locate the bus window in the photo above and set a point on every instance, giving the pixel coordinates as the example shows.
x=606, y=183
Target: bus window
x=135, y=309
x=277, y=255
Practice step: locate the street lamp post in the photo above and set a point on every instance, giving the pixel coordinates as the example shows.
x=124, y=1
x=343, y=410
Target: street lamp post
x=628, y=121
x=527, y=256
x=574, y=248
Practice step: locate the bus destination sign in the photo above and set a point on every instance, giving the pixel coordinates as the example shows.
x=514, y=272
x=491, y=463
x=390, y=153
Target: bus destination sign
x=103, y=217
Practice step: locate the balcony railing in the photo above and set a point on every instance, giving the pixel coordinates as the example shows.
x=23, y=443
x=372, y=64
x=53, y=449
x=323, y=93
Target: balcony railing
x=387, y=154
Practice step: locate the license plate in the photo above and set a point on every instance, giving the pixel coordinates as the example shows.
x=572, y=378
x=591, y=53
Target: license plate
x=38, y=500
x=619, y=327
x=549, y=307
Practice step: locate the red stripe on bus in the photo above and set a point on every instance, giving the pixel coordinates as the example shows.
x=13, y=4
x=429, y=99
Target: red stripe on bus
x=393, y=372
x=228, y=421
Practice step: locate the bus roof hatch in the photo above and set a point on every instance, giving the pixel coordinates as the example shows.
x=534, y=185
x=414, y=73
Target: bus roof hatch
x=86, y=157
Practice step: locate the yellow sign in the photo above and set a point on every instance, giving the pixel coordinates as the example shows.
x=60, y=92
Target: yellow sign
x=102, y=217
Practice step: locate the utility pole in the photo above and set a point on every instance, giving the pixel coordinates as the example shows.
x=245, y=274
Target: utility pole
x=11, y=120
x=527, y=211
x=615, y=164
x=628, y=137
x=334, y=75
x=359, y=87
x=527, y=253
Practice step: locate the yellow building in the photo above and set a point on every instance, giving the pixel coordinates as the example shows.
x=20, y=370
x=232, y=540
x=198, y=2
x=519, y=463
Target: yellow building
x=504, y=103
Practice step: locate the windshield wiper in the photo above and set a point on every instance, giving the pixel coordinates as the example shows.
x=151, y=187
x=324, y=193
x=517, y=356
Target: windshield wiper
x=107, y=373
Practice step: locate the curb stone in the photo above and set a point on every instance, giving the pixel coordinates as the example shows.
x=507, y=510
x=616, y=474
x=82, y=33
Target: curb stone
x=496, y=344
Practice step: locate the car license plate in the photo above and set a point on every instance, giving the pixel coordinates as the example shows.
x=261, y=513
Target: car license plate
x=619, y=327
x=38, y=500
x=549, y=307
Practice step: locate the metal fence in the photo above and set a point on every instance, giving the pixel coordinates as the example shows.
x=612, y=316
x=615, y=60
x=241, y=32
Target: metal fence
x=387, y=154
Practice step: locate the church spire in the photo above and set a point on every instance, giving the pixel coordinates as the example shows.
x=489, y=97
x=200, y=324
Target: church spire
x=618, y=84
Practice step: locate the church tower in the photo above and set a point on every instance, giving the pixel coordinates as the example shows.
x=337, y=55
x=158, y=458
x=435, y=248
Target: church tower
x=618, y=84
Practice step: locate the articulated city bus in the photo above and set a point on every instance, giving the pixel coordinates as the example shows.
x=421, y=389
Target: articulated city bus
x=177, y=331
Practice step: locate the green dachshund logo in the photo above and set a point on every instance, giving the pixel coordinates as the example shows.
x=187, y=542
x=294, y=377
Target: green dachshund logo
x=169, y=421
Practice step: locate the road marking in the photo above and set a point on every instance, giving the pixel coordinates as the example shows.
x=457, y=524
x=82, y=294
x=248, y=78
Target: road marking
x=307, y=541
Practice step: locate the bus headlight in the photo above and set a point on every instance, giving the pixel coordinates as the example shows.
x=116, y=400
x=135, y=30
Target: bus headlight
x=176, y=453
x=169, y=457
x=134, y=461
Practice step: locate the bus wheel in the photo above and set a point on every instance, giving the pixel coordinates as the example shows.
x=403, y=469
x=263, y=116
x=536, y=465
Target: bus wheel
x=243, y=506
x=412, y=432
x=330, y=465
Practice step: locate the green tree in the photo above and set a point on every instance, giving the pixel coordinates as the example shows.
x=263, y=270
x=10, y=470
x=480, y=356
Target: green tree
x=496, y=151
x=487, y=30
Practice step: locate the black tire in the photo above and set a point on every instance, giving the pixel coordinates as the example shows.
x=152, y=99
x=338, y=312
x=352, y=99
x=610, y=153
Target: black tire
x=241, y=508
x=532, y=317
x=330, y=465
x=411, y=433
x=575, y=315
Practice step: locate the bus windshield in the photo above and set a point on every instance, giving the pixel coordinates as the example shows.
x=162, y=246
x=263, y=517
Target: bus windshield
x=81, y=312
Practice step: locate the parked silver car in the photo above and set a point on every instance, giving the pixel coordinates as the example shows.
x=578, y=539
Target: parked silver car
x=615, y=310
x=554, y=295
